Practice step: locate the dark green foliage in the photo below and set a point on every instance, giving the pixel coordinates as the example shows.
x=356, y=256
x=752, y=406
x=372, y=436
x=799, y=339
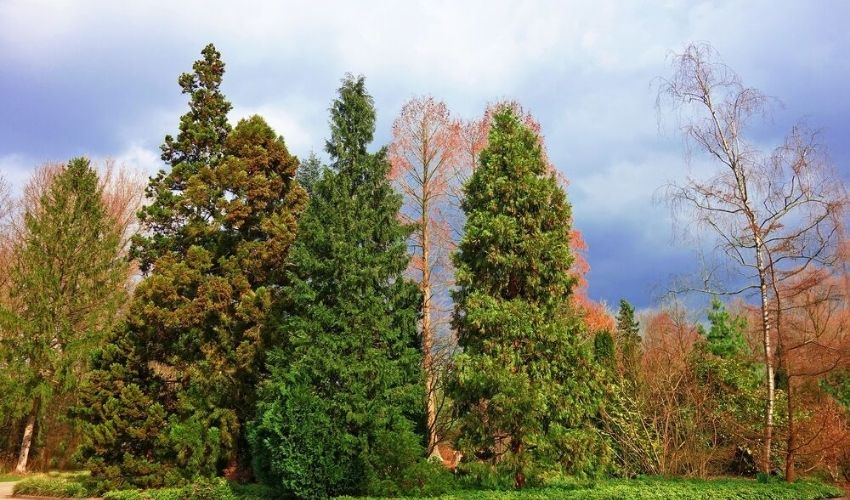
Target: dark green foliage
x=178, y=216
x=725, y=338
x=190, y=354
x=526, y=384
x=628, y=341
x=603, y=349
x=723, y=367
x=338, y=410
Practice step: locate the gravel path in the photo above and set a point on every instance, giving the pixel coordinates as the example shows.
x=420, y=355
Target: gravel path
x=6, y=489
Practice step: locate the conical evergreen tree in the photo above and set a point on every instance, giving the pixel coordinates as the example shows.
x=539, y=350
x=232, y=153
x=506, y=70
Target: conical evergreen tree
x=337, y=413
x=628, y=341
x=526, y=384
x=726, y=336
x=191, y=350
x=67, y=284
x=309, y=173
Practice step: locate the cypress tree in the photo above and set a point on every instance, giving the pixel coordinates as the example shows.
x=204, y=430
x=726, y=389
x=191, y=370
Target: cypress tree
x=177, y=386
x=337, y=414
x=526, y=385
x=67, y=284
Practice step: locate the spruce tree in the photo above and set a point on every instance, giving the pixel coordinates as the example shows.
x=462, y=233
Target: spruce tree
x=629, y=341
x=337, y=414
x=723, y=365
x=213, y=245
x=726, y=336
x=310, y=171
x=526, y=385
x=67, y=284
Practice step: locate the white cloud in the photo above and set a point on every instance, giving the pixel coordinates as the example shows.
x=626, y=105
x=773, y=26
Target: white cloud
x=16, y=169
x=142, y=159
x=290, y=124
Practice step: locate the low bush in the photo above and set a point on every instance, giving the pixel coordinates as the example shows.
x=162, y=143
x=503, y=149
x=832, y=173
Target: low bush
x=201, y=489
x=47, y=486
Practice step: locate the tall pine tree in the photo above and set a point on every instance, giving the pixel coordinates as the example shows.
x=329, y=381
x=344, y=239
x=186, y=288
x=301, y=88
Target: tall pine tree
x=67, y=284
x=526, y=384
x=338, y=412
x=177, y=386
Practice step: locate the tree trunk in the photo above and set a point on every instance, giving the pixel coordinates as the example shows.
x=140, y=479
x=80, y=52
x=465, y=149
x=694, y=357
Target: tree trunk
x=768, y=356
x=790, y=472
x=26, y=442
x=428, y=334
x=791, y=440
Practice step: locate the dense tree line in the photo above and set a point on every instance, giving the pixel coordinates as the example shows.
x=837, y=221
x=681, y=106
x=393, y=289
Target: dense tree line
x=351, y=327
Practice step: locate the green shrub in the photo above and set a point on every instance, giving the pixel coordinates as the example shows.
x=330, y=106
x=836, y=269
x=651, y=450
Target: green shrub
x=207, y=489
x=477, y=475
x=157, y=494
x=51, y=487
x=253, y=491
x=422, y=479
x=201, y=489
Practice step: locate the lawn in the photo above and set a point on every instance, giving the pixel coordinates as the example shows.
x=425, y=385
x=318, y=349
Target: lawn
x=657, y=488
x=76, y=486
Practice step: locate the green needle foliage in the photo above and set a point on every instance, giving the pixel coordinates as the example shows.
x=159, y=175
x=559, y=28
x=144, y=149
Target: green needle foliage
x=310, y=171
x=526, y=384
x=67, y=284
x=628, y=338
x=170, y=396
x=338, y=412
x=724, y=367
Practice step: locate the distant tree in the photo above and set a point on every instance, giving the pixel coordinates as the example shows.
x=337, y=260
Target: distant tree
x=66, y=284
x=6, y=207
x=309, y=173
x=727, y=335
x=525, y=385
x=628, y=341
x=214, y=242
x=337, y=413
x=774, y=215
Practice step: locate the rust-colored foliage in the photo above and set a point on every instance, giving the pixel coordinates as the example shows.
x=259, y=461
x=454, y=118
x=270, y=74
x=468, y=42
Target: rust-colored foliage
x=424, y=156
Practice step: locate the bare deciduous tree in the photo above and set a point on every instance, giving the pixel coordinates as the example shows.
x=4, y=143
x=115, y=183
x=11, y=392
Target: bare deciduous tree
x=424, y=155
x=774, y=214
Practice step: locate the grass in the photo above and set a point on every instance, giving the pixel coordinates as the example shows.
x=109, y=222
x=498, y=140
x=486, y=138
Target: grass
x=8, y=478
x=55, y=484
x=75, y=486
x=660, y=488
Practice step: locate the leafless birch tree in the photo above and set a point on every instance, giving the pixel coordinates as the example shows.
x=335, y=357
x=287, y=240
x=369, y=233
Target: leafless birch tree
x=774, y=214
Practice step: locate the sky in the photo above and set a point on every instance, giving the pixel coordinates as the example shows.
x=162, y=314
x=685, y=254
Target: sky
x=99, y=78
